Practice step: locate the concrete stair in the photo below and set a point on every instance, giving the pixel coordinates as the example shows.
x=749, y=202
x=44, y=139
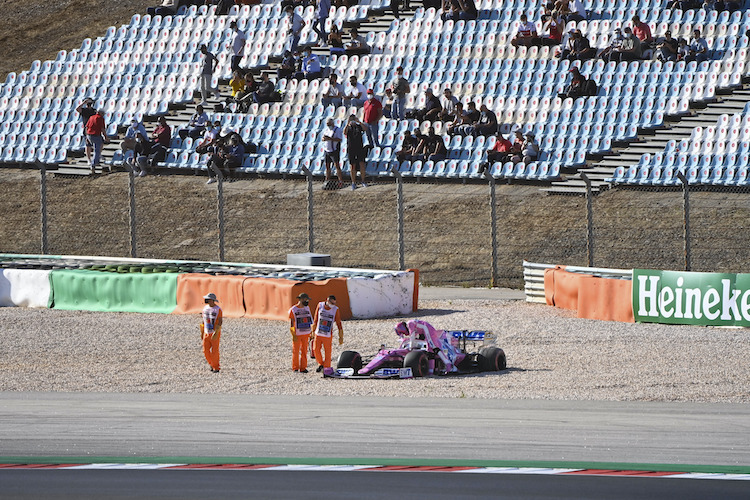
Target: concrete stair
x=652, y=141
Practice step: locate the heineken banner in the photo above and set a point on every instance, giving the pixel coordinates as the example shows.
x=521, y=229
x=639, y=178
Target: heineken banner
x=691, y=298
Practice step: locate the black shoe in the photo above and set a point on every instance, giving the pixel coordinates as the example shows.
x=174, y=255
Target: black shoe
x=303, y=371
x=214, y=371
x=319, y=369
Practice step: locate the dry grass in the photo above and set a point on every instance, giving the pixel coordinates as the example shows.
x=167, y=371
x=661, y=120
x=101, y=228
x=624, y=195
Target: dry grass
x=447, y=228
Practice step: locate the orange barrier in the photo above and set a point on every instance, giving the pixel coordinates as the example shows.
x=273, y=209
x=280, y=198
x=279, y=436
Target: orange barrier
x=563, y=287
x=415, y=300
x=605, y=299
x=191, y=288
x=271, y=298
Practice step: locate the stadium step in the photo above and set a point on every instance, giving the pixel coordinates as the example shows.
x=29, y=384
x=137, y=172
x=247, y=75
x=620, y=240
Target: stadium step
x=630, y=155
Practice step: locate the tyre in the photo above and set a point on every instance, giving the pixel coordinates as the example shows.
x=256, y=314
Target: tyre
x=418, y=362
x=350, y=359
x=491, y=359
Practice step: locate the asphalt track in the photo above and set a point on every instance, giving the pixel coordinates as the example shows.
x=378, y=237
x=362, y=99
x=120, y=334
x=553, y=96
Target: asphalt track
x=184, y=428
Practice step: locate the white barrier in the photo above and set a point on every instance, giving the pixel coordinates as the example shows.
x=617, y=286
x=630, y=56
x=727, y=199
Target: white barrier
x=24, y=288
x=384, y=295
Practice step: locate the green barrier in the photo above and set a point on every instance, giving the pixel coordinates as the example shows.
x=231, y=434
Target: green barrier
x=111, y=291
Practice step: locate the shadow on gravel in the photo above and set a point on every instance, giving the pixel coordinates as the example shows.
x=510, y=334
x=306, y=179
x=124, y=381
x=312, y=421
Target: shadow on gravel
x=432, y=312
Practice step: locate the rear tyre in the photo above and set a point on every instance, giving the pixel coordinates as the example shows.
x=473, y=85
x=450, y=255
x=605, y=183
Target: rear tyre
x=492, y=359
x=350, y=359
x=418, y=362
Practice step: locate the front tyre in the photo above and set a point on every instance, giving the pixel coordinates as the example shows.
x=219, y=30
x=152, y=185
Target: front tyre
x=418, y=362
x=350, y=359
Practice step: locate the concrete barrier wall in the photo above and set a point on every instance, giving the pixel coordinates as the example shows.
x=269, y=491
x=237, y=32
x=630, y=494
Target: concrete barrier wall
x=385, y=295
x=24, y=288
x=105, y=291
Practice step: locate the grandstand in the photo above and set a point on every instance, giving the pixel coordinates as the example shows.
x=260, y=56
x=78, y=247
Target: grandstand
x=649, y=120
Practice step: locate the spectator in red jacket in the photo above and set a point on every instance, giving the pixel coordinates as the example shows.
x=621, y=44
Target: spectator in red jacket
x=97, y=135
x=372, y=111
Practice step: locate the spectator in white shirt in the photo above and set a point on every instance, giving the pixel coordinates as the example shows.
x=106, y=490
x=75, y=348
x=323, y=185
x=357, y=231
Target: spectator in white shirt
x=526, y=34
x=356, y=94
x=238, y=45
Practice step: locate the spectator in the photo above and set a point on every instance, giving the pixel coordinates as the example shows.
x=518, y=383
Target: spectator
x=529, y=149
x=517, y=146
x=245, y=96
x=265, y=92
x=294, y=24
x=96, y=132
x=335, y=93
x=372, y=112
x=207, y=74
x=86, y=110
x=576, y=87
x=698, y=48
x=729, y=6
x=357, y=44
x=526, y=34
x=501, y=151
x=311, y=66
x=151, y=152
x=135, y=132
x=227, y=157
x=667, y=49
x=332, y=137
x=288, y=65
x=210, y=138
x=432, y=147
x=197, y=124
x=395, y=4
x=448, y=101
x=576, y=11
x=401, y=87
x=222, y=6
x=630, y=50
x=237, y=85
x=683, y=50
x=387, y=102
x=238, y=45
x=458, y=120
x=469, y=120
x=459, y=10
x=408, y=148
x=166, y=8
x=356, y=95
x=335, y=41
x=487, y=123
x=554, y=31
x=614, y=46
x=431, y=109
x=582, y=50
x=355, y=149
x=322, y=8
x=642, y=31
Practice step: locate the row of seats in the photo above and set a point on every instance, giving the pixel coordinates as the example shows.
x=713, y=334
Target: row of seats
x=657, y=176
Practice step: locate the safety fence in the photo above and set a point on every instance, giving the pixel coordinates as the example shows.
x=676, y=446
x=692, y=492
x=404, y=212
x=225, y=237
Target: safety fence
x=465, y=234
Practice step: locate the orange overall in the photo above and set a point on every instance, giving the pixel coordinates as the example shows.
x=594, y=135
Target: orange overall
x=211, y=336
x=301, y=319
x=325, y=316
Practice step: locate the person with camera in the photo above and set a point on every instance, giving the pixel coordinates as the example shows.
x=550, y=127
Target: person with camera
x=355, y=149
x=227, y=156
x=332, y=138
x=211, y=330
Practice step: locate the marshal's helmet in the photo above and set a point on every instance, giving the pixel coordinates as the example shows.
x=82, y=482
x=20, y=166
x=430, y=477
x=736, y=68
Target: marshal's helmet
x=402, y=330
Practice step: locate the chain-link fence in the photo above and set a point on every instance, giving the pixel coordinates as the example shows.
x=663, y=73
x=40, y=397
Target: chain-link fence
x=444, y=230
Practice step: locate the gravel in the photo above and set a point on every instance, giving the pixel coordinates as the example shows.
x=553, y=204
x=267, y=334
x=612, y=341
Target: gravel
x=551, y=355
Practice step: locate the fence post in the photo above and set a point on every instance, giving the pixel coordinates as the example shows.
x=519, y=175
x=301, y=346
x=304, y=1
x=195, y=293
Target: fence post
x=131, y=195
x=220, y=207
x=493, y=226
x=310, y=216
x=43, y=204
x=399, y=216
x=589, y=221
x=686, y=217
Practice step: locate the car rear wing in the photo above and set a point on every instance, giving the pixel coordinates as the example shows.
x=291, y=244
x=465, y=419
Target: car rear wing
x=463, y=336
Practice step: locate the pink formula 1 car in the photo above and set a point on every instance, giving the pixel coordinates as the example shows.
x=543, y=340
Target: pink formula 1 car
x=424, y=351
